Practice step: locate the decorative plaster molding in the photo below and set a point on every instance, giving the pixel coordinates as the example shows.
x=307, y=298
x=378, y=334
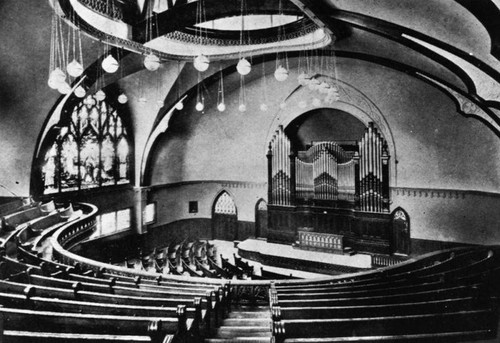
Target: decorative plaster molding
x=221, y=183
x=429, y=193
x=470, y=107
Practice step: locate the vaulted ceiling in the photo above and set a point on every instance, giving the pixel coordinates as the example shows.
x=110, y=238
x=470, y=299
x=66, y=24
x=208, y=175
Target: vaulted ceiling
x=453, y=45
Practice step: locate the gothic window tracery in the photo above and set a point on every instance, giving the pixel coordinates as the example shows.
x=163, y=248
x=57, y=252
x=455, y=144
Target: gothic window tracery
x=92, y=151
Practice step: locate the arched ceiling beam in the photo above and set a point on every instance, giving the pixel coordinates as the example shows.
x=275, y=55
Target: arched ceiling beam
x=328, y=16
x=487, y=13
x=179, y=17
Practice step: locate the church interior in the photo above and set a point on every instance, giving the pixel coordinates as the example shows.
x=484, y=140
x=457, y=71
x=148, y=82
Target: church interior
x=249, y=171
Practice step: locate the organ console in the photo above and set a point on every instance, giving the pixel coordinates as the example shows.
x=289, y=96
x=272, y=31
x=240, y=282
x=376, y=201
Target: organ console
x=329, y=188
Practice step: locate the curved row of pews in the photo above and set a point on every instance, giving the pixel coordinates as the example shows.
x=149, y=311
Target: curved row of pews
x=50, y=294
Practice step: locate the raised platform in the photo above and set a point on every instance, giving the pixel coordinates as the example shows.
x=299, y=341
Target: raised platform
x=286, y=256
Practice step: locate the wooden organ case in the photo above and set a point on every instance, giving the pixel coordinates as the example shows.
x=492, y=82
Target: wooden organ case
x=328, y=189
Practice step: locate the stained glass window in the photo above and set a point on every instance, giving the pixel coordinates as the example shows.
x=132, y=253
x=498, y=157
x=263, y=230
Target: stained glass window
x=92, y=151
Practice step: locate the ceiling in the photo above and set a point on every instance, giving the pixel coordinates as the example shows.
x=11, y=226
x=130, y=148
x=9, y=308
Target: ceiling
x=452, y=44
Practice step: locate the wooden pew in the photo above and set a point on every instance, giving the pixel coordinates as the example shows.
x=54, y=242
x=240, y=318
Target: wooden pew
x=380, y=310
x=75, y=292
x=111, y=288
x=387, y=274
x=13, y=336
x=9, y=222
x=62, y=322
x=243, y=265
x=220, y=271
x=266, y=274
x=472, y=262
x=483, y=320
x=231, y=269
x=446, y=292
x=40, y=303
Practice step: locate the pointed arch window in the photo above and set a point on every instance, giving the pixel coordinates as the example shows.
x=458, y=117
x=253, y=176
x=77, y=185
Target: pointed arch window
x=92, y=151
x=225, y=204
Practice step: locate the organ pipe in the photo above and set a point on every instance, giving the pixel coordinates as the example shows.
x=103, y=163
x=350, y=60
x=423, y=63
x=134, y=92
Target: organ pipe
x=279, y=162
x=372, y=181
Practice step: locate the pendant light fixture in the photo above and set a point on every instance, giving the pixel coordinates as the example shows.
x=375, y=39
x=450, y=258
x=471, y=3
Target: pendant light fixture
x=242, y=98
x=179, y=106
x=263, y=105
x=221, y=106
x=80, y=92
x=75, y=68
x=151, y=61
x=200, y=99
x=122, y=98
x=110, y=64
x=243, y=67
x=281, y=72
x=200, y=62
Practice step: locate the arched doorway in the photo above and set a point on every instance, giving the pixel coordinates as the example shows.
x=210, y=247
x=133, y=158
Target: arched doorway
x=261, y=219
x=401, y=231
x=224, y=218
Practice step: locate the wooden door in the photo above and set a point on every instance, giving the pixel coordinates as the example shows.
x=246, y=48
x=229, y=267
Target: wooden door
x=224, y=218
x=401, y=232
x=261, y=219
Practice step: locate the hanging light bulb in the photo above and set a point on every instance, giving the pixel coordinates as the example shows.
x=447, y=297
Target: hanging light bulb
x=110, y=64
x=64, y=88
x=303, y=79
x=281, y=74
x=80, y=92
x=201, y=62
x=122, y=98
x=56, y=77
x=313, y=84
x=316, y=102
x=52, y=83
x=302, y=104
x=100, y=95
x=283, y=105
x=199, y=106
x=74, y=68
x=221, y=107
x=243, y=67
x=323, y=87
x=179, y=106
x=263, y=107
x=152, y=62
x=242, y=108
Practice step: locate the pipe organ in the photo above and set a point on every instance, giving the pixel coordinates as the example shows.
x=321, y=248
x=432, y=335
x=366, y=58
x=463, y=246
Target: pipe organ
x=328, y=172
x=324, y=172
x=330, y=188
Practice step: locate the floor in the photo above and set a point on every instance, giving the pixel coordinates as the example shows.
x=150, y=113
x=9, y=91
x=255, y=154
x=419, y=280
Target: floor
x=227, y=249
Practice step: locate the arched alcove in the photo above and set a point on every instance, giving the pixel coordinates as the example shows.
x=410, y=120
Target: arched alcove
x=401, y=232
x=224, y=217
x=261, y=218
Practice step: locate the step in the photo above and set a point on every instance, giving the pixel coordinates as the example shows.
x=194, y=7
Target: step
x=239, y=339
x=243, y=331
x=264, y=322
x=249, y=314
x=251, y=308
